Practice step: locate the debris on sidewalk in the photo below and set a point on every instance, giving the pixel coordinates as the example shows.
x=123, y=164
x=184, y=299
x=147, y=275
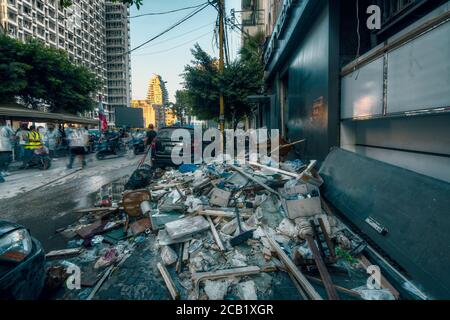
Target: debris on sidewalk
x=225, y=230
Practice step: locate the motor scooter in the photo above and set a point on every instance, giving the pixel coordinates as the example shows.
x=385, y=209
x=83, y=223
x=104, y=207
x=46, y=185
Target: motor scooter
x=105, y=149
x=40, y=159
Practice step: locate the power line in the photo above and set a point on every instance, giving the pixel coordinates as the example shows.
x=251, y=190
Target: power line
x=170, y=28
x=167, y=12
x=184, y=34
x=190, y=15
x=176, y=47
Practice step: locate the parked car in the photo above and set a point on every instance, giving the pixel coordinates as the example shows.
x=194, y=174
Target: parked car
x=163, y=145
x=22, y=263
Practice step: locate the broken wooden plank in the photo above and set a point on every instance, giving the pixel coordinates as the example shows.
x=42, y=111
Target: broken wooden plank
x=276, y=170
x=63, y=253
x=309, y=289
x=215, y=235
x=327, y=238
x=165, y=186
x=168, y=281
x=223, y=214
x=324, y=274
x=94, y=210
x=100, y=282
x=299, y=288
x=186, y=226
x=305, y=172
x=185, y=257
x=346, y=291
x=106, y=275
x=179, y=264
x=283, y=146
x=245, y=174
x=219, y=274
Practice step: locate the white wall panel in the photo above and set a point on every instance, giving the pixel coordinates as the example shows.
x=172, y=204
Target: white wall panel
x=362, y=91
x=419, y=73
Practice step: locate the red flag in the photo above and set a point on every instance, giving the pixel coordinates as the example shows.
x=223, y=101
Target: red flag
x=102, y=116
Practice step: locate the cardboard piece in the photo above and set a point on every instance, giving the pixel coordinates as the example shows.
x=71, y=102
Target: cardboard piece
x=305, y=207
x=220, y=197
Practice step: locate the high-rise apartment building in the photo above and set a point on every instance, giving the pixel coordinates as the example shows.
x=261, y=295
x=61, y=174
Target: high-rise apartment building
x=118, y=59
x=80, y=30
x=158, y=98
x=157, y=92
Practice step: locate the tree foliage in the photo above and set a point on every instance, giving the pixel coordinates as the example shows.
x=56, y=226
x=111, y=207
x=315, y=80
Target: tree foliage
x=241, y=78
x=182, y=106
x=41, y=75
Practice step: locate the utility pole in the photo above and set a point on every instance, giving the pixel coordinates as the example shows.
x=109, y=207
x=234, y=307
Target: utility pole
x=221, y=62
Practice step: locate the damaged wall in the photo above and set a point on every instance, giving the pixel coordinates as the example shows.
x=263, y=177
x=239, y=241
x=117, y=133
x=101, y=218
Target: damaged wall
x=304, y=77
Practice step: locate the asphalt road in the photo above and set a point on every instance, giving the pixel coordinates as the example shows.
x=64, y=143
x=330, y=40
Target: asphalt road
x=49, y=208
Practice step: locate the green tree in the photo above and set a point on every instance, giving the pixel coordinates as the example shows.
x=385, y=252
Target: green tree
x=40, y=75
x=241, y=78
x=181, y=107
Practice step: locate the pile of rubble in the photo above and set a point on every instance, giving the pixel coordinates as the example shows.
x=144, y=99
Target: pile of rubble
x=225, y=230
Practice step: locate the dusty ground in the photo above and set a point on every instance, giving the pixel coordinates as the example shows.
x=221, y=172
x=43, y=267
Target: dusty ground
x=45, y=209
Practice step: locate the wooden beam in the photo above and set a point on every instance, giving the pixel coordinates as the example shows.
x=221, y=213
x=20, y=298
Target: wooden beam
x=299, y=288
x=327, y=238
x=63, y=253
x=93, y=210
x=286, y=173
x=215, y=234
x=168, y=281
x=245, y=174
x=186, y=251
x=298, y=275
x=349, y=292
x=324, y=274
x=223, y=214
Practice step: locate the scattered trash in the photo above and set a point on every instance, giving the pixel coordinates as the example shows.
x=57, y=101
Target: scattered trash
x=168, y=255
x=233, y=229
x=247, y=290
x=374, y=294
x=97, y=240
x=216, y=290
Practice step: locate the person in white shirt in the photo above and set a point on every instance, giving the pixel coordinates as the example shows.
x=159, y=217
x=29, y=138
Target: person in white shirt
x=52, y=139
x=21, y=135
x=6, y=147
x=78, y=144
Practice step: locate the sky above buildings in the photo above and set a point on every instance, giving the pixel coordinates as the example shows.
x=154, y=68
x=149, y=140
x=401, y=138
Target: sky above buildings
x=168, y=54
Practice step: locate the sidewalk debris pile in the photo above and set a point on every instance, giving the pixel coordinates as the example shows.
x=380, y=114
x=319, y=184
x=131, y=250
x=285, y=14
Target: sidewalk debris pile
x=225, y=231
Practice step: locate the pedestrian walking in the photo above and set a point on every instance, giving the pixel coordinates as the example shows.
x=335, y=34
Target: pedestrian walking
x=6, y=147
x=151, y=135
x=78, y=144
x=52, y=139
x=21, y=135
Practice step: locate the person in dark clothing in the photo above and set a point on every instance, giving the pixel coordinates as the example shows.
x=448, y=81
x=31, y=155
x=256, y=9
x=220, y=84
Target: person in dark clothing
x=113, y=140
x=151, y=135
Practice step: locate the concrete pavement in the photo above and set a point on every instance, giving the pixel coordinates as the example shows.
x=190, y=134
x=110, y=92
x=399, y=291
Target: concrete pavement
x=43, y=203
